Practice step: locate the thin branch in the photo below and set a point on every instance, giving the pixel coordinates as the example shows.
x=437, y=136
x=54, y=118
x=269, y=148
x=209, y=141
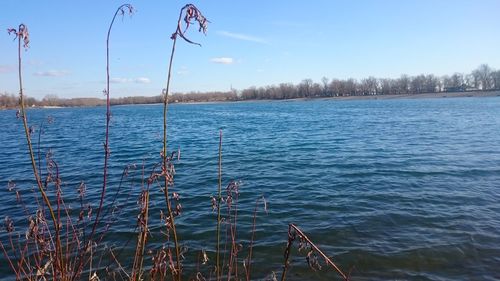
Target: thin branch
x=293, y=232
x=219, y=200
x=250, y=251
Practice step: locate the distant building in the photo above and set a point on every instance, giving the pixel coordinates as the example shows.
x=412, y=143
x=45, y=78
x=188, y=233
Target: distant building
x=461, y=88
x=471, y=89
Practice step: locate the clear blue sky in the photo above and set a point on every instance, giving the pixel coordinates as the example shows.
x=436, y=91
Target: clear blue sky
x=249, y=43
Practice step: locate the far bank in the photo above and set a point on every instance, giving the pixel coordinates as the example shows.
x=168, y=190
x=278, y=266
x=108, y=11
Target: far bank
x=90, y=102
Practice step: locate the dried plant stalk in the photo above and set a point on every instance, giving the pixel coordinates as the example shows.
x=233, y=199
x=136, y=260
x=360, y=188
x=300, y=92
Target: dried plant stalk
x=142, y=236
x=22, y=34
x=293, y=233
x=248, y=270
x=190, y=13
x=120, y=11
x=219, y=200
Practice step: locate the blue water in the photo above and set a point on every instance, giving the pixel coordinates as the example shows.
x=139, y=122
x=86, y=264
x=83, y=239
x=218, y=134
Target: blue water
x=395, y=189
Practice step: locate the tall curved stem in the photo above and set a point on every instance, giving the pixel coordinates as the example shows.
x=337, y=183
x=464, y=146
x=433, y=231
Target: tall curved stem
x=165, y=168
x=191, y=13
x=59, y=261
x=219, y=200
x=108, y=118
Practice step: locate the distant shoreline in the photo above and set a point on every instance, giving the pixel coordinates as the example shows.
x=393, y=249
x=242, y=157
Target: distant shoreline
x=471, y=94
x=475, y=94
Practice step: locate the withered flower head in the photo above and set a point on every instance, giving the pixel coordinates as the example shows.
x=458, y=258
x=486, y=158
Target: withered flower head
x=82, y=189
x=9, y=224
x=191, y=15
x=22, y=33
x=126, y=8
x=11, y=185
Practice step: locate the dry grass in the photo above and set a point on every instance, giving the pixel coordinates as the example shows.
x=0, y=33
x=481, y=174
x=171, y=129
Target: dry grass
x=61, y=243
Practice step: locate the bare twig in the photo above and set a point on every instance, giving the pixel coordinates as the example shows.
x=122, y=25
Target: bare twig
x=250, y=250
x=143, y=234
x=119, y=265
x=219, y=199
x=293, y=233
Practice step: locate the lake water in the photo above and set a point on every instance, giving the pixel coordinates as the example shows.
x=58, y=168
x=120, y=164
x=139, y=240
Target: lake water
x=398, y=189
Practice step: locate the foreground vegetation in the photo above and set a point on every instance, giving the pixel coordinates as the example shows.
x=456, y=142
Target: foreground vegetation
x=49, y=239
x=484, y=78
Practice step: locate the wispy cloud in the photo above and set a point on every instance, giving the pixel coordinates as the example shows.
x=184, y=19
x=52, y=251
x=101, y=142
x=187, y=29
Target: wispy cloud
x=142, y=80
x=244, y=37
x=138, y=80
x=51, y=73
x=119, y=80
x=35, y=62
x=222, y=60
x=6, y=68
x=183, y=71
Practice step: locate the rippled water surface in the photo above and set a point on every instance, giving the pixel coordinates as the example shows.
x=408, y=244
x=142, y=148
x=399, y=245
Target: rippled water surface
x=396, y=189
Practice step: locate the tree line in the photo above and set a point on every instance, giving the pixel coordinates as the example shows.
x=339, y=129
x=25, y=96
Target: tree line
x=483, y=78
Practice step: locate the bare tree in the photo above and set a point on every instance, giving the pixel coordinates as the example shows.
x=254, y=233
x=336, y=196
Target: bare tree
x=483, y=75
x=457, y=80
x=386, y=86
x=403, y=84
x=369, y=86
x=316, y=90
x=470, y=81
x=288, y=89
x=431, y=84
x=350, y=87
x=335, y=87
x=495, y=79
x=249, y=93
x=325, y=88
x=417, y=84
x=51, y=100
x=8, y=100
x=305, y=88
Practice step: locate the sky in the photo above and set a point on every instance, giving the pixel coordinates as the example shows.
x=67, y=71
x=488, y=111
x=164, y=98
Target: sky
x=249, y=43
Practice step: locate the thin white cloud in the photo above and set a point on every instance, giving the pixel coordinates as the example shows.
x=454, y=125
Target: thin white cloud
x=51, y=73
x=142, y=80
x=34, y=62
x=6, y=68
x=240, y=36
x=119, y=80
x=138, y=80
x=183, y=71
x=222, y=60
